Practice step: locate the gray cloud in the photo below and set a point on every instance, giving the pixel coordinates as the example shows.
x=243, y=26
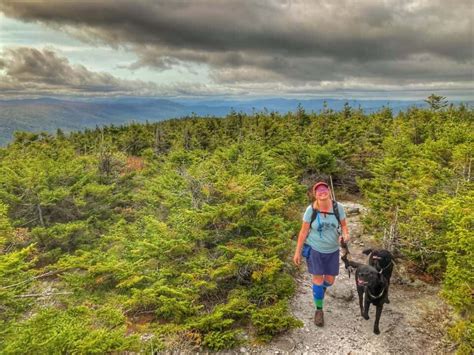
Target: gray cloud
x=294, y=43
x=43, y=71
x=28, y=71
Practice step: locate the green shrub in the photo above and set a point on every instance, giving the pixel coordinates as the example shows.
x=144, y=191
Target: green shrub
x=463, y=334
x=272, y=320
x=218, y=340
x=194, y=244
x=76, y=330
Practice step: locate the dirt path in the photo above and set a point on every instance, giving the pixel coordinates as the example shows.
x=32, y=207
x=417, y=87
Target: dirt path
x=402, y=325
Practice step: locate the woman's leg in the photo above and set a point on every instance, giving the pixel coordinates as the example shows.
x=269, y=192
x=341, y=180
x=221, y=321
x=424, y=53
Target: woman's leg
x=318, y=291
x=328, y=281
x=320, y=283
x=318, y=295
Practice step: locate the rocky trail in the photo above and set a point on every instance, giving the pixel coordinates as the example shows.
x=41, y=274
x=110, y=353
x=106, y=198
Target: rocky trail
x=411, y=324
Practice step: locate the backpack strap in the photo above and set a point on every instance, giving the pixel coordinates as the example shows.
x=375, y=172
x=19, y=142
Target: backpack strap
x=335, y=209
x=335, y=212
x=313, y=216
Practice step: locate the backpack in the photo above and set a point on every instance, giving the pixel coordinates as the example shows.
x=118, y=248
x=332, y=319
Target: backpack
x=335, y=213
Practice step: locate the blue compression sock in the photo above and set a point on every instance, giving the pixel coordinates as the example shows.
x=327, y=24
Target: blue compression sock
x=318, y=295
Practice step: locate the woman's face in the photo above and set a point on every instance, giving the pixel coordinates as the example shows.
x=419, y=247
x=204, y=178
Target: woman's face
x=322, y=193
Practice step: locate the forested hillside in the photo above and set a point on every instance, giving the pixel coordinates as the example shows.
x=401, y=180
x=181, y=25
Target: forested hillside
x=180, y=233
x=49, y=114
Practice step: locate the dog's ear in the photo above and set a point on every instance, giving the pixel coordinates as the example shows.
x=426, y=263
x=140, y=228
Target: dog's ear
x=366, y=251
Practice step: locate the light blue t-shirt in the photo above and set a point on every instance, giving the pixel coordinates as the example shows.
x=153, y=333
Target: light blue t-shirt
x=324, y=239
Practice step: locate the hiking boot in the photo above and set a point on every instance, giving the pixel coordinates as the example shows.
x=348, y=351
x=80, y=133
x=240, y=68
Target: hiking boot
x=319, y=318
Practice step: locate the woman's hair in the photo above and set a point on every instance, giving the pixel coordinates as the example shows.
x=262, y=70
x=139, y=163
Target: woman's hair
x=310, y=194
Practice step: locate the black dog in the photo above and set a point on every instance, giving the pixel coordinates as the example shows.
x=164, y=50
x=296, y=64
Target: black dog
x=372, y=287
x=382, y=261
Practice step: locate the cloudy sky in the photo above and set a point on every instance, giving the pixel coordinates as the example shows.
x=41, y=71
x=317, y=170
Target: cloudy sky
x=237, y=48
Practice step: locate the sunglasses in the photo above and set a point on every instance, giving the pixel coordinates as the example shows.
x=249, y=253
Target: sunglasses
x=322, y=189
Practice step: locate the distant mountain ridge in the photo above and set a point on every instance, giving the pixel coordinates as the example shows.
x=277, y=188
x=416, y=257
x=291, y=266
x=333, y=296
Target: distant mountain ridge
x=49, y=114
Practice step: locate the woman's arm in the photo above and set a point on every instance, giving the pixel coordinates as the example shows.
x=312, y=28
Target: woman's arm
x=345, y=230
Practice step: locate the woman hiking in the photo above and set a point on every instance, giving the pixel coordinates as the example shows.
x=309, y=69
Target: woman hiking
x=320, y=236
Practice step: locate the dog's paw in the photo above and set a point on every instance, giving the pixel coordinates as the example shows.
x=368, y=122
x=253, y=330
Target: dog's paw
x=387, y=301
x=377, y=331
x=366, y=316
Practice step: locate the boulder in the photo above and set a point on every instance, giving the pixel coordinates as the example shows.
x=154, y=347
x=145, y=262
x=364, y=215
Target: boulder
x=352, y=211
x=341, y=291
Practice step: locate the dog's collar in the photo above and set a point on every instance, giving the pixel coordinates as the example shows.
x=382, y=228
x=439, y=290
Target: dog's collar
x=372, y=296
x=389, y=264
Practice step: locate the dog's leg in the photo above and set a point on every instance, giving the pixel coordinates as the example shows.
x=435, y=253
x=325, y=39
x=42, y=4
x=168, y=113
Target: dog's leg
x=388, y=285
x=360, y=291
x=378, y=313
x=386, y=293
x=366, y=307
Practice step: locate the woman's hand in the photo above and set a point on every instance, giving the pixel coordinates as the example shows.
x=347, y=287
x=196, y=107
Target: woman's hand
x=301, y=238
x=344, y=239
x=297, y=259
x=345, y=232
